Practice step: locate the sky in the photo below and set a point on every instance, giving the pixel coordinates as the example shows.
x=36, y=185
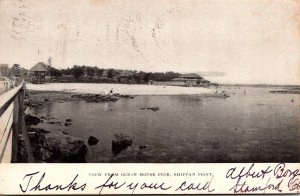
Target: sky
x=232, y=41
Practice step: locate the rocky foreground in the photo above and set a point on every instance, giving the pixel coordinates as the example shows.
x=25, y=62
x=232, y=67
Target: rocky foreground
x=39, y=97
x=287, y=91
x=60, y=147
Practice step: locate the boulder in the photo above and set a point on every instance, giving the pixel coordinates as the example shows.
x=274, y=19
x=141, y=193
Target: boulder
x=68, y=120
x=93, y=140
x=153, y=108
x=65, y=148
x=32, y=120
x=142, y=146
x=54, y=122
x=36, y=130
x=96, y=97
x=120, y=142
x=68, y=124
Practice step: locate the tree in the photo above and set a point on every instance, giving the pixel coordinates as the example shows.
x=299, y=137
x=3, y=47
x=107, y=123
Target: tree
x=15, y=70
x=146, y=77
x=89, y=71
x=99, y=72
x=110, y=73
x=77, y=71
x=49, y=61
x=170, y=75
x=137, y=77
x=67, y=71
x=54, y=72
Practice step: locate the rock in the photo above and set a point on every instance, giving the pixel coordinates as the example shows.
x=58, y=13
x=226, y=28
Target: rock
x=31, y=135
x=225, y=95
x=153, y=108
x=93, y=140
x=142, y=108
x=120, y=142
x=54, y=122
x=142, y=147
x=95, y=97
x=68, y=124
x=45, y=154
x=123, y=96
x=65, y=148
x=66, y=133
x=68, y=120
x=26, y=102
x=32, y=120
x=36, y=130
x=162, y=154
x=46, y=100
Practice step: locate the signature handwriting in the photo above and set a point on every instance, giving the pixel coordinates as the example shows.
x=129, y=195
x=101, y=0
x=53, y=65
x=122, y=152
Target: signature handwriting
x=280, y=171
x=275, y=178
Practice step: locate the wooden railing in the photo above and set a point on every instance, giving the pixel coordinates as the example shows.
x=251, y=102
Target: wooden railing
x=12, y=126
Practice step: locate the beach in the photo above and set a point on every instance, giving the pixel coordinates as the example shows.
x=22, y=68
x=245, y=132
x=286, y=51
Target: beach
x=119, y=88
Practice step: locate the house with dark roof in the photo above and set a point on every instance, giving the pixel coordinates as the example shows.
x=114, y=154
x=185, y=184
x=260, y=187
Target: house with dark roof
x=38, y=73
x=191, y=79
x=125, y=77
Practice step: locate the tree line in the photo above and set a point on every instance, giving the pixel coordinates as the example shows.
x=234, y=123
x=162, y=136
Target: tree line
x=81, y=71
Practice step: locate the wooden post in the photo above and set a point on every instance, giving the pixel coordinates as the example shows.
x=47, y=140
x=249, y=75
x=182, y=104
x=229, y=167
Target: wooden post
x=19, y=128
x=15, y=128
x=22, y=127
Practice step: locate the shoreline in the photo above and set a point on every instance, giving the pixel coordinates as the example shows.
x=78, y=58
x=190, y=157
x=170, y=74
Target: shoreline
x=45, y=96
x=125, y=89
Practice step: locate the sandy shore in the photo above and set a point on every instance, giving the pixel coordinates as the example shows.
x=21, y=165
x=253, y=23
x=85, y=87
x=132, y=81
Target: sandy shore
x=119, y=88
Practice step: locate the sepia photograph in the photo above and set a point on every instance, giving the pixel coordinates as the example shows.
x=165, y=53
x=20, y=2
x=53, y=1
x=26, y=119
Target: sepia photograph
x=149, y=81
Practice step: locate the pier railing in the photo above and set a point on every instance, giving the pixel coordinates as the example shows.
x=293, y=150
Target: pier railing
x=12, y=126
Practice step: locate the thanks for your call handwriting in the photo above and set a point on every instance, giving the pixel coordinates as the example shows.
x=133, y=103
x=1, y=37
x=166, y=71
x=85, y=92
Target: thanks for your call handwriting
x=271, y=178
x=34, y=182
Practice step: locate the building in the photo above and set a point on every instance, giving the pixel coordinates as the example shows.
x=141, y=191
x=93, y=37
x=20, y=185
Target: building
x=104, y=74
x=4, y=70
x=66, y=78
x=188, y=80
x=125, y=77
x=205, y=83
x=38, y=73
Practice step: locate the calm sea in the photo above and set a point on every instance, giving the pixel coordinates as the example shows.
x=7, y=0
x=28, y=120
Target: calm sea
x=255, y=126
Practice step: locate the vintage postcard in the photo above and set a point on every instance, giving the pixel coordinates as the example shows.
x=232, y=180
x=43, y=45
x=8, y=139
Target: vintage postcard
x=149, y=96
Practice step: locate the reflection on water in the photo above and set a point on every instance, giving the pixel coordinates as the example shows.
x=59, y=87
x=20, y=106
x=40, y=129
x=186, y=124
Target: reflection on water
x=254, y=127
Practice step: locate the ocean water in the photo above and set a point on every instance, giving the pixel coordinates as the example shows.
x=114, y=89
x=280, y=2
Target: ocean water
x=256, y=126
